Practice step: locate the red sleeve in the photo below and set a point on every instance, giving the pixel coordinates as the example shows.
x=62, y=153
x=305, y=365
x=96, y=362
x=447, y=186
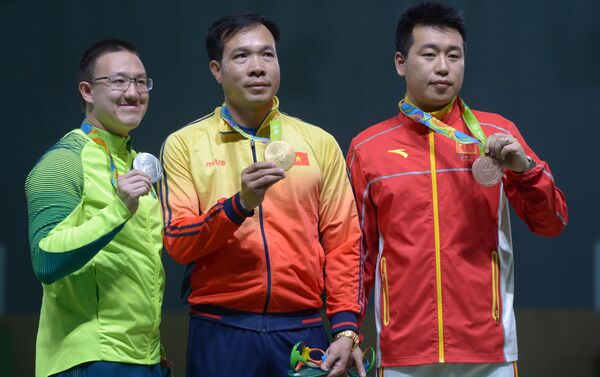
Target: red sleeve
x=535, y=197
x=190, y=234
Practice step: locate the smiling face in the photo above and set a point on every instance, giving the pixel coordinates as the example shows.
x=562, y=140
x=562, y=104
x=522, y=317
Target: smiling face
x=249, y=70
x=115, y=111
x=434, y=68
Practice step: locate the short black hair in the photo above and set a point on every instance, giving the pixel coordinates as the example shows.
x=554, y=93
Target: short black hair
x=227, y=26
x=430, y=13
x=91, y=55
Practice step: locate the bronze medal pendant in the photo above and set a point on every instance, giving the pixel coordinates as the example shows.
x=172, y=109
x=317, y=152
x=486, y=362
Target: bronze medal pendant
x=487, y=171
x=281, y=153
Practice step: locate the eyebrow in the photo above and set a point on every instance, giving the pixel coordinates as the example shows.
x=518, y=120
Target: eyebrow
x=248, y=48
x=120, y=73
x=437, y=47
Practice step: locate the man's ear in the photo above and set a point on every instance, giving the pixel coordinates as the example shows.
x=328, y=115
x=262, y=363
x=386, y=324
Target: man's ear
x=215, y=69
x=85, y=89
x=400, y=63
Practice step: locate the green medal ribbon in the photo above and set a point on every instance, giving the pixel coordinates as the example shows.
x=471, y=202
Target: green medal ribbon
x=274, y=126
x=437, y=125
x=275, y=129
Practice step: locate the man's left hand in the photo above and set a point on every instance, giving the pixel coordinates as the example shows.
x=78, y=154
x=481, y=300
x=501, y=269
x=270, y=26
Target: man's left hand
x=338, y=356
x=508, y=151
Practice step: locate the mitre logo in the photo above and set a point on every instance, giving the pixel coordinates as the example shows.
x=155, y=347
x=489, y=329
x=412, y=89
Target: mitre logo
x=215, y=162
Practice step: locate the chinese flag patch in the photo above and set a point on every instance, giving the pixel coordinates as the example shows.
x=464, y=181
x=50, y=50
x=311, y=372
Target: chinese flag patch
x=467, y=148
x=301, y=159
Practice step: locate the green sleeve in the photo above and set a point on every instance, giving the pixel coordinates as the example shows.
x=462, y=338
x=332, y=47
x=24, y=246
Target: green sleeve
x=61, y=242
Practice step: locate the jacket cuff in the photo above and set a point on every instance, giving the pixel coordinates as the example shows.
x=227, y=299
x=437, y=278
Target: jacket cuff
x=526, y=175
x=343, y=321
x=234, y=210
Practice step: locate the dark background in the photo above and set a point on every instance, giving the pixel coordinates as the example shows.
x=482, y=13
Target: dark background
x=536, y=62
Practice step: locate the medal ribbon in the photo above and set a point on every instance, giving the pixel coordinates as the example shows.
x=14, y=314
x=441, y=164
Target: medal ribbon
x=89, y=130
x=410, y=110
x=274, y=127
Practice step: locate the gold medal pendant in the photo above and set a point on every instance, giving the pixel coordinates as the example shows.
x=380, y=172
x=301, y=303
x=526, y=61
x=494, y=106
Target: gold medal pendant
x=281, y=153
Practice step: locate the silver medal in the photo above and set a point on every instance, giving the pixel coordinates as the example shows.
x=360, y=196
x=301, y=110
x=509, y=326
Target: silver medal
x=149, y=164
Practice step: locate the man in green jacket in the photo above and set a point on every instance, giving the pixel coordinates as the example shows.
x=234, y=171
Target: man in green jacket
x=95, y=231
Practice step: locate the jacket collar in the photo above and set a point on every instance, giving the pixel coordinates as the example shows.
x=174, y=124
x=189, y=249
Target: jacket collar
x=263, y=129
x=115, y=144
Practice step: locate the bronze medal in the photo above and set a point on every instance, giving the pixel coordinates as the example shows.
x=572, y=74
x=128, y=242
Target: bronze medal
x=487, y=171
x=281, y=153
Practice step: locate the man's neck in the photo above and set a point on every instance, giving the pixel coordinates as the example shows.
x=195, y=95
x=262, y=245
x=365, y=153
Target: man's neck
x=249, y=117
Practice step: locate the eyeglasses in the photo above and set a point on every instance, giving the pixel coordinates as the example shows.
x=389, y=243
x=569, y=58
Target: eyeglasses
x=121, y=83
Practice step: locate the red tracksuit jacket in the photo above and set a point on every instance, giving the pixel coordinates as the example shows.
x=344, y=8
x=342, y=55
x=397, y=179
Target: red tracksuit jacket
x=437, y=245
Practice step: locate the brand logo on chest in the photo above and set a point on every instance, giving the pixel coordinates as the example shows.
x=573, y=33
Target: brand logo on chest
x=215, y=162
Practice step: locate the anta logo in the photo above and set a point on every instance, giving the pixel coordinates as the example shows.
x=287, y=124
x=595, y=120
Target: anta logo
x=215, y=162
x=401, y=152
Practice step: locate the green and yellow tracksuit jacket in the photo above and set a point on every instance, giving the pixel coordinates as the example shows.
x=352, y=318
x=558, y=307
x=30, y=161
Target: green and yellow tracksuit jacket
x=100, y=267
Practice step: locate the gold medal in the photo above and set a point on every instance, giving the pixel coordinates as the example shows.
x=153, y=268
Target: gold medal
x=281, y=153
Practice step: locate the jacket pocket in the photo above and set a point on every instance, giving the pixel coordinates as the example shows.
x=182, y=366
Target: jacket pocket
x=495, y=287
x=385, y=291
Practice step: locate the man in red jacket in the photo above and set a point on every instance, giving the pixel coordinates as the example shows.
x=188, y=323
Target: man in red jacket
x=432, y=186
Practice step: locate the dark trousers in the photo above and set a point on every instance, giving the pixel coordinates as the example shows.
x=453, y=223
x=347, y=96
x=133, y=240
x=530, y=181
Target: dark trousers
x=111, y=369
x=216, y=350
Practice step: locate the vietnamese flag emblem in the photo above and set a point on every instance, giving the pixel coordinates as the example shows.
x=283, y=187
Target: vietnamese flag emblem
x=301, y=159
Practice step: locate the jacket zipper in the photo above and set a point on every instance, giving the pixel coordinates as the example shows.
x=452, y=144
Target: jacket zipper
x=495, y=287
x=436, y=231
x=264, y=237
x=156, y=287
x=385, y=290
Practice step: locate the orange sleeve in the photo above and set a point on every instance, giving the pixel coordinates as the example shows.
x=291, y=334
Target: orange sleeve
x=340, y=234
x=367, y=215
x=190, y=234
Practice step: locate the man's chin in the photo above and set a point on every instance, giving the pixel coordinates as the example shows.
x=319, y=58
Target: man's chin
x=130, y=122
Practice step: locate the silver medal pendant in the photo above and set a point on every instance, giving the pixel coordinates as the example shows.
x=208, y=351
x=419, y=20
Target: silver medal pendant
x=149, y=164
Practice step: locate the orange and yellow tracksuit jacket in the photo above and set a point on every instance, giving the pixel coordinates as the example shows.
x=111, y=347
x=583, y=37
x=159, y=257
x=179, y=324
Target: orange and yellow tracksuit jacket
x=437, y=245
x=303, y=240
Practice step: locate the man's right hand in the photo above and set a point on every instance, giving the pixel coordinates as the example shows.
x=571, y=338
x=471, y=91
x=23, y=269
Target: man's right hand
x=357, y=359
x=256, y=179
x=131, y=186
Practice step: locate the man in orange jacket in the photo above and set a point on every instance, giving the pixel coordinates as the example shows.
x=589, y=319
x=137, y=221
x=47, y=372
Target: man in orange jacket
x=262, y=244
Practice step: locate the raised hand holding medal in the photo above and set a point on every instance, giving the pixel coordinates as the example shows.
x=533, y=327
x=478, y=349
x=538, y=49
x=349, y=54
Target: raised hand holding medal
x=498, y=152
x=508, y=151
x=149, y=164
x=258, y=177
